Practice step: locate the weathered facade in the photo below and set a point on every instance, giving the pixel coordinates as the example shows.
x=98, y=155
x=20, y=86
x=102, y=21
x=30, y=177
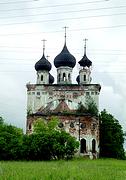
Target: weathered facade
x=45, y=99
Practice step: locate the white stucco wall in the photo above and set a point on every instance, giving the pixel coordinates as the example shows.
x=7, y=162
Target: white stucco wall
x=42, y=95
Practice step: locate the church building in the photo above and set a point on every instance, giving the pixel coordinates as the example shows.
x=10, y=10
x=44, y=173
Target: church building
x=62, y=99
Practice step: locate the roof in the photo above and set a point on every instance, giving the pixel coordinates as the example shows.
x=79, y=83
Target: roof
x=62, y=106
x=65, y=58
x=85, y=62
x=43, y=64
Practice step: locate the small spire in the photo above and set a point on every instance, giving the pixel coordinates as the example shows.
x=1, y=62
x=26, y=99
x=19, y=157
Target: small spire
x=85, y=40
x=65, y=33
x=43, y=45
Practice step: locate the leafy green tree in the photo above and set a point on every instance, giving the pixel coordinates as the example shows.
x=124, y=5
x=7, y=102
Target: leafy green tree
x=81, y=108
x=64, y=145
x=1, y=120
x=48, y=142
x=90, y=107
x=36, y=147
x=53, y=124
x=10, y=142
x=40, y=126
x=111, y=137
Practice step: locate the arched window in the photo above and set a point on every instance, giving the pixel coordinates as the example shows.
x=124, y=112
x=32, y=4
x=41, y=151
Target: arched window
x=41, y=77
x=59, y=76
x=84, y=77
x=83, y=146
x=64, y=77
x=29, y=126
x=93, y=146
x=69, y=77
x=60, y=125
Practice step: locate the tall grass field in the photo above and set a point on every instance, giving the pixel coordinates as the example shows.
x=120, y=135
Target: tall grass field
x=78, y=169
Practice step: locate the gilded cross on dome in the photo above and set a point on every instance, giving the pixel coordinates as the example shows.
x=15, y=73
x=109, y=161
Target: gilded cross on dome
x=85, y=40
x=65, y=32
x=43, y=45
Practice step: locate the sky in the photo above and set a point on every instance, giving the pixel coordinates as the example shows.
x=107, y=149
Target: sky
x=23, y=25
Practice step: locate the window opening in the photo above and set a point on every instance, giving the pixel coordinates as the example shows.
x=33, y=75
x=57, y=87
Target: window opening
x=41, y=77
x=69, y=76
x=84, y=77
x=59, y=77
x=93, y=146
x=83, y=146
x=64, y=77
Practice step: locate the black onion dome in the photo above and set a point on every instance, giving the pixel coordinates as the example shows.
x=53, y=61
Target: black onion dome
x=51, y=79
x=43, y=64
x=65, y=58
x=78, y=79
x=85, y=61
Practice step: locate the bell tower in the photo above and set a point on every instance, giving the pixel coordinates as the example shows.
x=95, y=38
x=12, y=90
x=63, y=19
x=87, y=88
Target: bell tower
x=43, y=66
x=85, y=68
x=64, y=62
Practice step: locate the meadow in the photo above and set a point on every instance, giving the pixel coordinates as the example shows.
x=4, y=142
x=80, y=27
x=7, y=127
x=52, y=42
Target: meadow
x=77, y=169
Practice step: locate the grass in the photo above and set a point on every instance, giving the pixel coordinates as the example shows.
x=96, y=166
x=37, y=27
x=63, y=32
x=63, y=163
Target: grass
x=78, y=169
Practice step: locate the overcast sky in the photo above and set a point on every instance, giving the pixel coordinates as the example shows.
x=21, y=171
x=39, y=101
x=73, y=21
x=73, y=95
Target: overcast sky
x=24, y=23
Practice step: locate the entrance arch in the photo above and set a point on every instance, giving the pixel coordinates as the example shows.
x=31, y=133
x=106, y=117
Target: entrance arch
x=93, y=146
x=82, y=146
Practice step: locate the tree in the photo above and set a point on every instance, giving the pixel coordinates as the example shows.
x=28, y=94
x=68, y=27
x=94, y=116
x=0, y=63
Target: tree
x=40, y=125
x=48, y=142
x=90, y=107
x=111, y=136
x=81, y=108
x=10, y=141
x=64, y=145
x=1, y=120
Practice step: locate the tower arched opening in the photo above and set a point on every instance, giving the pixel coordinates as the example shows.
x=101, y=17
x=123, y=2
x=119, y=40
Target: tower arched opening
x=83, y=146
x=93, y=146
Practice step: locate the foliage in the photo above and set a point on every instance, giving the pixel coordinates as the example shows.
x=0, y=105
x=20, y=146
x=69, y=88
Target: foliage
x=1, y=120
x=10, y=142
x=40, y=125
x=90, y=107
x=111, y=137
x=29, y=112
x=63, y=145
x=46, y=142
x=35, y=147
x=81, y=108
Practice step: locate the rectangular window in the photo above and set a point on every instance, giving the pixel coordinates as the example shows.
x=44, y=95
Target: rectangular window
x=87, y=93
x=41, y=77
x=38, y=93
x=92, y=93
x=84, y=77
x=96, y=93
